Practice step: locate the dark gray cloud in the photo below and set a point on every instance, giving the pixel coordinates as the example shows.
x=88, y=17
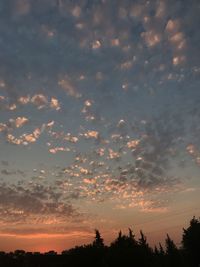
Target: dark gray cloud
x=62, y=230
x=31, y=205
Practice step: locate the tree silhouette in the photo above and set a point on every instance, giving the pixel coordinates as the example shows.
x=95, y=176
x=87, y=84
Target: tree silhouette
x=170, y=246
x=131, y=238
x=98, y=242
x=172, y=253
x=125, y=250
x=143, y=240
x=159, y=256
x=191, y=242
x=146, y=252
x=161, y=250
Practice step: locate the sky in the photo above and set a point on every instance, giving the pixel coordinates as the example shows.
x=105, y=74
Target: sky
x=99, y=120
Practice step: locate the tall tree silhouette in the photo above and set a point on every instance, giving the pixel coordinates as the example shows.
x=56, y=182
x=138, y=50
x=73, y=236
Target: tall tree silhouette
x=98, y=242
x=172, y=253
x=131, y=236
x=191, y=242
x=145, y=251
x=161, y=250
x=143, y=240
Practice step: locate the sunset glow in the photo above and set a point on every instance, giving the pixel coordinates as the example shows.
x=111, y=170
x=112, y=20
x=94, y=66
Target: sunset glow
x=99, y=120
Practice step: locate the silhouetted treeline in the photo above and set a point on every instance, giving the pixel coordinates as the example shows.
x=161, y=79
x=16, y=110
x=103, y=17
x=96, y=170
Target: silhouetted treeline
x=124, y=251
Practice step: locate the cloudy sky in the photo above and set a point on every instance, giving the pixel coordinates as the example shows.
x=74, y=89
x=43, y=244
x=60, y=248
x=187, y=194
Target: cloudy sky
x=99, y=120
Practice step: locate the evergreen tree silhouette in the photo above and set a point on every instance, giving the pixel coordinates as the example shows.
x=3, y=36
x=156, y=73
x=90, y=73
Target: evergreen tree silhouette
x=142, y=240
x=170, y=246
x=131, y=236
x=98, y=242
x=158, y=257
x=172, y=253
x=146, y=253
x=161, y=250
x=191, y=242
